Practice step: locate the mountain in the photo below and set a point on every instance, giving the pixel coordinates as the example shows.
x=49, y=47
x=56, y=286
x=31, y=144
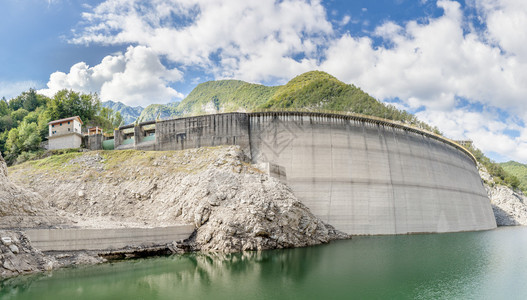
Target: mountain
x=212, y=97
x=517, y=169
x=226, y=95
x=129, y=113
x=159, y=111
x=312, y=91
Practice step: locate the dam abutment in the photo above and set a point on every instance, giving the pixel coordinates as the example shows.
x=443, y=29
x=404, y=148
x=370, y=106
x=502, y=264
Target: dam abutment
x=363, y=175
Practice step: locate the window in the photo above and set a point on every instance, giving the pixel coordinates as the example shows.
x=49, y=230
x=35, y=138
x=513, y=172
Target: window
x=68, y=122
x=60, y=124
x=68, y=129
x=53, y=125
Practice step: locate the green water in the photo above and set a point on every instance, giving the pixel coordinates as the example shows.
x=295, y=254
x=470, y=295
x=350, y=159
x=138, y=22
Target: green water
x=473, y=265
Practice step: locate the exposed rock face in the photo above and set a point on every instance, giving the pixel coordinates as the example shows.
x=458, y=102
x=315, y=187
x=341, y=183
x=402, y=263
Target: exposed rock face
x=17, y=256
x=22, y=208
x=249, y=212
x=233, y=205
x=509, y=206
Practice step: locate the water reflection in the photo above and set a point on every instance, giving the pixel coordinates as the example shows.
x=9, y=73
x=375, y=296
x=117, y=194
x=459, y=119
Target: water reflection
x=460, y=265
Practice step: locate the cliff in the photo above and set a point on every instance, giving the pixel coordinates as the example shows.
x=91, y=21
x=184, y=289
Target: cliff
x=233, y=205
x=21, y=208
x=509, y=205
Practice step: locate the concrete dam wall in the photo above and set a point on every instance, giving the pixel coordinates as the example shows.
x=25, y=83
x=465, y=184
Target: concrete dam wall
x=362, y=175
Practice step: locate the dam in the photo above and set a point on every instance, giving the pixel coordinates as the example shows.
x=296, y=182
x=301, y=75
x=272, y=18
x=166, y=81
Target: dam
x=363, y=175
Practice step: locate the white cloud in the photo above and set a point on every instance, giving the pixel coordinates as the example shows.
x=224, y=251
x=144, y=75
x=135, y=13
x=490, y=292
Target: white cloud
x=136, y=77
x=12, y=89
x=222, y=36
x=428, y=65
x=505, y=20
x=345, y=20
x=485, y=128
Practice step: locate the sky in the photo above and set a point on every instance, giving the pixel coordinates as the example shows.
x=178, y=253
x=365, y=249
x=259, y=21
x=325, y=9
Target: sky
x=457, y=65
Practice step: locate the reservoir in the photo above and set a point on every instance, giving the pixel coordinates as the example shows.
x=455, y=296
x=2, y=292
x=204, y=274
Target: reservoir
x=469, y=265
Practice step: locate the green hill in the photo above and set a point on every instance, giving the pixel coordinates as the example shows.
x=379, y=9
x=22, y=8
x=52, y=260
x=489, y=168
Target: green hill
x=128, y=113
x=519, y=170
x=313, y=91
x=320, y=91
x=226, y=95
x=159, y=111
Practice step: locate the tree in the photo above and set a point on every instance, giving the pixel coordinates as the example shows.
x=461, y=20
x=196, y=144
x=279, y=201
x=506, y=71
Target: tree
x=29, y=137
x=12, y=146
x=6, y=123
x=29, y=100
x=42, y=123
x=19, y=114
x=3, y=138
x=24, y=138
x=16, y=103
x=67, y=103
x=4, y=108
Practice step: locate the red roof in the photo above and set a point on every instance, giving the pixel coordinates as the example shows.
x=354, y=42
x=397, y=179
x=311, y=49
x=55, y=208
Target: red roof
x=66, y=119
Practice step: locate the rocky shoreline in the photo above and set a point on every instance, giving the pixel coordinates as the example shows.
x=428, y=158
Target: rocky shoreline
x=509, y=205
x=234, y=206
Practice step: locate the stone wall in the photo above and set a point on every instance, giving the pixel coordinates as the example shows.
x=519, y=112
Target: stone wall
x=362, y=175
x=203, y=131
x=94, y=141
x=71, y=140
x=76, y=239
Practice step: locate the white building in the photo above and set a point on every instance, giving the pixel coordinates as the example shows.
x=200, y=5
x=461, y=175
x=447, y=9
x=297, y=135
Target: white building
x=65, y=133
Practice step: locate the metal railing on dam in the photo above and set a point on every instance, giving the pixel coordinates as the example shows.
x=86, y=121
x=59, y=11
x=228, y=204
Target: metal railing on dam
x=363, y=175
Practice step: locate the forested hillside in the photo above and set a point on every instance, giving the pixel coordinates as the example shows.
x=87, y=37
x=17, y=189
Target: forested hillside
x=213, y=96
x=158, y=112
x=312, y=91
x=24, y=120
x=518, y=170
x=128, y=113
x=499, y=174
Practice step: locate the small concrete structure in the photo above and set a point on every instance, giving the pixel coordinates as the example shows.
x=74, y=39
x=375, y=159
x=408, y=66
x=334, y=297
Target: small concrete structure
x=465, y=143
x=65, y=133
x=77, y=239
x=94, y=141
x=94, y=130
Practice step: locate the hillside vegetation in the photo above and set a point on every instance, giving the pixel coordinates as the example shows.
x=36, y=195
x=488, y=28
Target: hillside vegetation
x=498, y=173
x=24, y=120
x=211, y=97
x=519, y=171
x=311, y=91
x=128, y=113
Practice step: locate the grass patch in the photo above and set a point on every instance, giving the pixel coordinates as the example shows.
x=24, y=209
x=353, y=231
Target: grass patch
x=50, y=163
x=125, y=163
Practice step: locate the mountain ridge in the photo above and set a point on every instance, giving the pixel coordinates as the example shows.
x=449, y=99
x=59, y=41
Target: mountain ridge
x=312, y=91
x=129, y=113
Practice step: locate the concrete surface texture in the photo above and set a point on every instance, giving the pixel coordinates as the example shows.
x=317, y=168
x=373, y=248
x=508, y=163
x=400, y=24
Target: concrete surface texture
x=105, y=239
x=202, y=131
x=67, y=140
x=362, y=175
x=369, y=178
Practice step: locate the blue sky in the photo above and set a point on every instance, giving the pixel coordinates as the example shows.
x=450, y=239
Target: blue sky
x=458, y=65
